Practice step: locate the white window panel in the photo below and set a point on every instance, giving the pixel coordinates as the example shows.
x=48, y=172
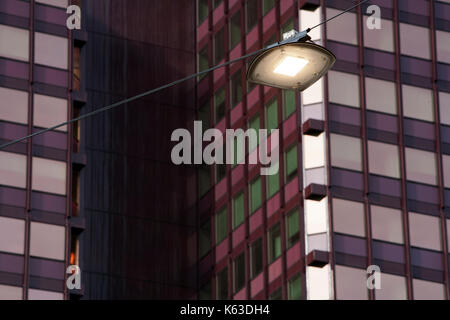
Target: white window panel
x=342, y=30
x=415, y=41
x=444, y=107
x=344, y=88
x=351, y=283
x=51, y=50
x=12, y=235
x=393, y=287
x=384, y=159
x=316, y=216
x=310, y=18
x=56, y=3
x=35, y=294
x=346, y=152
x=13, y=169
x=381, y=39
x=314, y=151
x=426, y=290
x=446, y=167
x=10, y=292
x=49, y=176
x=14, y=43
x=425, y=231
x=443, y=46
x=418, y=103
x=13, y=105
x=49, y=111
x=349, y=217
x=387, y=224
x=421, y=166
x=47, y=241
x=381, y=96
x=313, y=94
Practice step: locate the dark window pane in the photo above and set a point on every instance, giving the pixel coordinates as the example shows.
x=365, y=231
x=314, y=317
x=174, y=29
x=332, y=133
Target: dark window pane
x=295, y=288
x=202, y=11
x=273, y=184
x=235, y=29
x=219, y=105
x=276, y=295
x=255, y=195
x=221, y=171
x=205, y=238
x=219, y=46
x=251, y=11
x=274, y=243
x=236, y=89
x=255, y=124
x=239, y=273
x=291, y=163
x=293, y=234
x=221, y=225
x=289, y=103
x=272, y=115
x=205, y=292
x=76, y=83
x=204, y=179
x=204, y=116
x=203, y=60
x=238, y=210
x=256, y=257
x=222, y=284
x=267, y=6
x=217, y=3
x=288, y=26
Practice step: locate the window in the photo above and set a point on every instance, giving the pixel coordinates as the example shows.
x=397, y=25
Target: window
x=295, y=288
x=272, y=115
x=10, y=292
x=425, y=231
x=76, y=130
x=47, y=241
x=51, y=50
x=204, y=180
x=426, y=290
x=381, y=39
x=344, y=88
x=316, y=216
x=267, y=6
x=75, y=192
x=205, y=238
x=12, y=235
x=313, y=94
x=35, y=294
x=314, y=151
x=387, y=224
x=217, y=3
x=255, y=195
x=221, y=225
x=311, y=17
x=236, y=89
x=14, y=106
x=274, y=243
x=235, y=29
x=56, y=3
x=219, y=104
x=442, y=47
x=273, y=184
x=238, y=210
x=221, y=172
x=421, y=166
x=13, y=169
x=351, y=283
x=202, y=7
x=381, y=95
x=219, y=46
x=49, y=111
x=291, y=159
x=203, y=61
x=255, y=125
x=74, y=250
x=293, y=234
x=222, y=284
x=251, y=12
x=287, y=26
x=344, y=30
x=49, y=176
x=393, y=288
x=444, y=106
x=418, y=103
x=349, y=217
x=14, y=43
x=415, y=41
x=276, y=295
x=205, y=292
x=239, y=273
x=346, y=152
x=289, y=104
x=384, y=159
x=446, y=167
x=203, y=115
x=76, y=78
x=256, y=255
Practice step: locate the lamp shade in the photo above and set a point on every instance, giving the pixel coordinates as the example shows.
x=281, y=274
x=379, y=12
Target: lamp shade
x=295, y=65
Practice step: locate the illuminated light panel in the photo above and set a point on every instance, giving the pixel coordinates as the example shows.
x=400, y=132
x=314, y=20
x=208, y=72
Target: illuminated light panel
x=291, y=66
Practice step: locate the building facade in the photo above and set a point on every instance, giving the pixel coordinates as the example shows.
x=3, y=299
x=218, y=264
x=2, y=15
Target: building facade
x=364, y=161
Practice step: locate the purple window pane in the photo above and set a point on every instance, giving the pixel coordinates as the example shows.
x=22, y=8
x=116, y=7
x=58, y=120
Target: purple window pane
x=388, y=251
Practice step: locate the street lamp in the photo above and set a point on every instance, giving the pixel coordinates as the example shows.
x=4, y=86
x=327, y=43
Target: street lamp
x=292, y=64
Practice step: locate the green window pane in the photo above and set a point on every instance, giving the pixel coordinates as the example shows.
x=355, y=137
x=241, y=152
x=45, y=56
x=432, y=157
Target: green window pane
x=219, y=46
x=267, y=6
x=272, y=115
x=255, y=124
x=205, y=238
x=203, y=61
x=256, y=255
x=217, y=3
x=222, y=285
x=236, y=89
x=204, y=180
x=295, y=288
x=292, y=228
x=202, y=11
x=221, y=225
x=273, y=184
x=291, y=163
x=255, y=195
x=204, y=116
x=238, y=210
x=235, y=29
x=251, y=12
x=239, y=273
x=289, y=103
x=205, y=292
x=288, y=26
x=221, y=172
x=275, y=243
x=219, y=104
